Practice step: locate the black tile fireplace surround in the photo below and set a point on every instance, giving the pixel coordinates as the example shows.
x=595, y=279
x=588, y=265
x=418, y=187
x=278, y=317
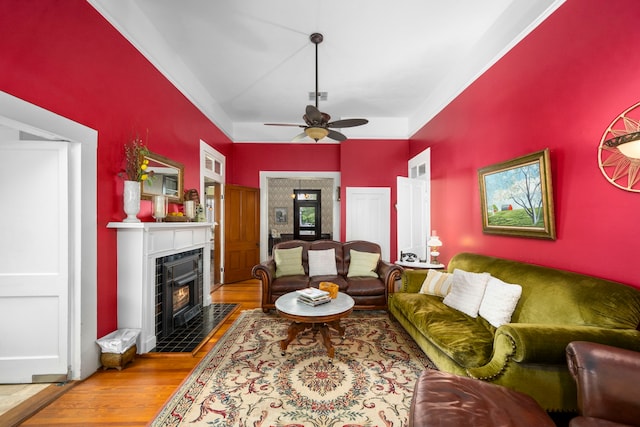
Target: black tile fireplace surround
x=178, y=290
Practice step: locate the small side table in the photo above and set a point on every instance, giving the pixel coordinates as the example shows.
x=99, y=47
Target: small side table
x=419, y=265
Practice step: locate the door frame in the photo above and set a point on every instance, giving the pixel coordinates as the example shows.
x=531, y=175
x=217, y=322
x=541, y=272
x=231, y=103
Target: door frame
x=264, y=202
x=83, y=277
x=317, y=204
x=208, y=151
x=422, y=159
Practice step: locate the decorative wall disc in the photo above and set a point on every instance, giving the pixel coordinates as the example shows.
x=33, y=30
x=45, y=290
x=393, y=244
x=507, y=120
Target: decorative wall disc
x=621, y=168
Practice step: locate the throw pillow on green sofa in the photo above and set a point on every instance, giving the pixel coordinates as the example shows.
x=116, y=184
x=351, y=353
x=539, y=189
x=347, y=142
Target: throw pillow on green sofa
x=437, y=283
x=288, y=261
x=467, y=291
x=499, y=301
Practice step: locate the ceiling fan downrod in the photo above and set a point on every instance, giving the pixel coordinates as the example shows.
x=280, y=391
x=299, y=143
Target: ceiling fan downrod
x=316, y=38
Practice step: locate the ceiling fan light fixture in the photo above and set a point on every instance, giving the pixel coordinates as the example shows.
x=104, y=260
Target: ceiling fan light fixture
x=316, y=132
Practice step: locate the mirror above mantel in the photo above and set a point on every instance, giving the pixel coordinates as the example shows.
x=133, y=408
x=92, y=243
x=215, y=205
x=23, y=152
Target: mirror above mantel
x=168, y=179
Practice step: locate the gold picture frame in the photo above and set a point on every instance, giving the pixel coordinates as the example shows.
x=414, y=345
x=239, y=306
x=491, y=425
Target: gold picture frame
x=517, y=197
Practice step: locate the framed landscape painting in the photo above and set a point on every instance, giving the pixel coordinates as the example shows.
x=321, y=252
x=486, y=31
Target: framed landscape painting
x=517, y=197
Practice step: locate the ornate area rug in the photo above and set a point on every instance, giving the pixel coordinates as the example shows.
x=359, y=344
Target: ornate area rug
x=245, y=381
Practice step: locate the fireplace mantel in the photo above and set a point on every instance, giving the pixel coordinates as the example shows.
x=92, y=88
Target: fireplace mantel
x=139, y=245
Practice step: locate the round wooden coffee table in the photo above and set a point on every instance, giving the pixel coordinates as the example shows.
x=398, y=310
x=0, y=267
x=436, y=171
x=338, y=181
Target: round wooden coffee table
x=320, y=318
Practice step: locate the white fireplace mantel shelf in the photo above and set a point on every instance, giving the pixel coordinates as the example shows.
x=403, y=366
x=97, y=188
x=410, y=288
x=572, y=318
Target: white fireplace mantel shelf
x=139, y=245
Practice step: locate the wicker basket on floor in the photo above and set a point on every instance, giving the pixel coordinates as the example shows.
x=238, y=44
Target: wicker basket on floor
x=118, y=360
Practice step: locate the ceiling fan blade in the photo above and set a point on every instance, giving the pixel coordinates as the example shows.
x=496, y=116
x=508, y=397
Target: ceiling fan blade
x=283, y=124
x=313, y=114
x=347, y=123
x=299, y=137
x=335, y=135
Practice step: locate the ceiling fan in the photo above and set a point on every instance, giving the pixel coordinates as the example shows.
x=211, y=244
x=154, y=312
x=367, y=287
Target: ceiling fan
x=318, y=125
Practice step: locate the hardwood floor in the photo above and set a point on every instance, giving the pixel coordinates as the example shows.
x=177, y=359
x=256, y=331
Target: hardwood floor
x=133, y=396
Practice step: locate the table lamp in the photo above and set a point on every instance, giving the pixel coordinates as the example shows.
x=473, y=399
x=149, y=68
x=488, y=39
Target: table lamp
x=434, y=243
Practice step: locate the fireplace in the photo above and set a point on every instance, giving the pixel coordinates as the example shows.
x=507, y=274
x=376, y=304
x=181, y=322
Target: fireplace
x=178, y=290
x=143, y=249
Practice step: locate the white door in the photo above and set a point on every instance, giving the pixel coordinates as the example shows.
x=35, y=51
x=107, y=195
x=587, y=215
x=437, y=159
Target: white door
x=369, y=216
x=34, y=262
x=413, y=212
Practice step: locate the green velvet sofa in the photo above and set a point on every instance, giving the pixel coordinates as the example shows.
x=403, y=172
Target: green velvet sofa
x=528, y=354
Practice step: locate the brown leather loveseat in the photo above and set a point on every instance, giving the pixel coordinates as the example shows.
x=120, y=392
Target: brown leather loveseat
x=368, y=292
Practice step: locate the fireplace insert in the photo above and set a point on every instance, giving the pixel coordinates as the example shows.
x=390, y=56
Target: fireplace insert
x=179, y=291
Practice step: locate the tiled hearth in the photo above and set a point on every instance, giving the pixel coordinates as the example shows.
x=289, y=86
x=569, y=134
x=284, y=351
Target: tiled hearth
x=189, y=336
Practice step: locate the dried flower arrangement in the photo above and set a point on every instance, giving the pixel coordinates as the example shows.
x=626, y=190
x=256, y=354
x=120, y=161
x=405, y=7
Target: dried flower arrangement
x=136, y=164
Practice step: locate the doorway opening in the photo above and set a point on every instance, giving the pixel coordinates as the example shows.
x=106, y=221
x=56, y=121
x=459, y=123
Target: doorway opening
x=212, y=174
x=277, y=191
x=212, y=198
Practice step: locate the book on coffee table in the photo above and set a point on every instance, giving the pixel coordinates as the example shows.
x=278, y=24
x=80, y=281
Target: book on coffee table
x=313, y=296
x=313, y=302
x=313, y=293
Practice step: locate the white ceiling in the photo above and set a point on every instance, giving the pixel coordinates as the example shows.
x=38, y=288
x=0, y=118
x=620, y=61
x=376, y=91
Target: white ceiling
x=247, y=62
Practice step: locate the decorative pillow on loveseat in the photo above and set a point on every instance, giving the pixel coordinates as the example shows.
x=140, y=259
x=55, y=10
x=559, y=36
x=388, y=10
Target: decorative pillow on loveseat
x=437, y=283
x=363, y=264
x=467, y=290
x=288, y=261
x=499, y=301
x=322, y=262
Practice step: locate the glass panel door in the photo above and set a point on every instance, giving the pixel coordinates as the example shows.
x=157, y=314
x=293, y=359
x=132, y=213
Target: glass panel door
x=307, y=224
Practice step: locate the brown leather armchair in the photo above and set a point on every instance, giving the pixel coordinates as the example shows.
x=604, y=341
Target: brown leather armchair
x=448, y=400
x=608, y=381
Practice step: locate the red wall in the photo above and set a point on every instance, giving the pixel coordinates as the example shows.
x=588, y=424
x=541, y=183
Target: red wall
x=373, y=163
x=250, y=159
x=63, y=56
x=361, y=163
x=560, y=88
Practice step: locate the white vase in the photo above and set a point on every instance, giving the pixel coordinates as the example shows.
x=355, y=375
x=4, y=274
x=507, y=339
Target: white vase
x=131, y=200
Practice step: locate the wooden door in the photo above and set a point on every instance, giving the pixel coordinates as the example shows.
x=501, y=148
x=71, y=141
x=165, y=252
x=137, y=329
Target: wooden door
x=241, y=232
x=216, y=261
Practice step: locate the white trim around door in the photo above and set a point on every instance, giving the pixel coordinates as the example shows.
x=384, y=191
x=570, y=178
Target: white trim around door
x=83, y=143
x=264, y=202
